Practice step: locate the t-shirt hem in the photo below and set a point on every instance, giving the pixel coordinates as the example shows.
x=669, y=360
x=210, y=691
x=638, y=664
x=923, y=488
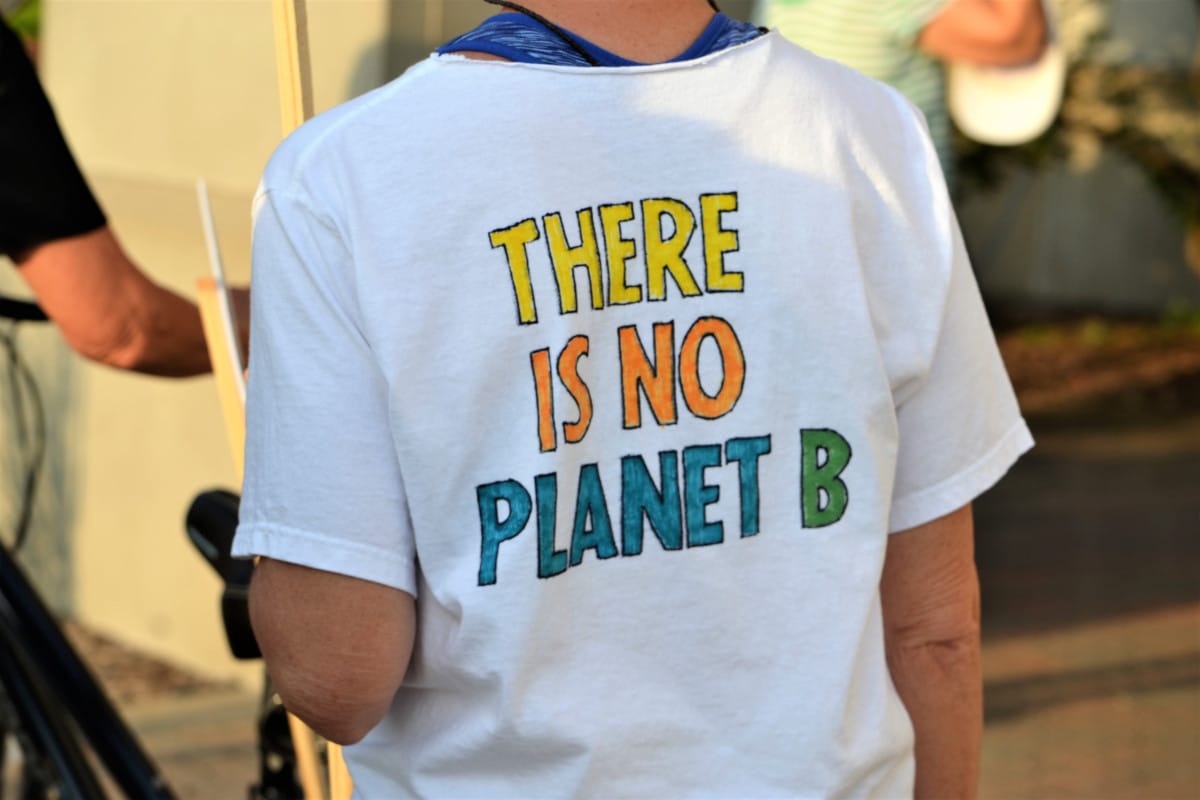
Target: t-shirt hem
x=316, y=551
x=928, y=504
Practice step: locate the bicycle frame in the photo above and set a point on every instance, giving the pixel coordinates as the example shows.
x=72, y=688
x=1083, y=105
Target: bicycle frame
x=31, y=713
x=44, y=646
x=52, y=692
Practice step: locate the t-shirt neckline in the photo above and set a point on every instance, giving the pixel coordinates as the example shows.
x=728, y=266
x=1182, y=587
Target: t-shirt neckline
x=677, y=63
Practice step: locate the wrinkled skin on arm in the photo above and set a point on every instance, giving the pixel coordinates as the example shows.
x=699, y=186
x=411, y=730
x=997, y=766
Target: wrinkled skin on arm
x=930, y=594
x=336, y=647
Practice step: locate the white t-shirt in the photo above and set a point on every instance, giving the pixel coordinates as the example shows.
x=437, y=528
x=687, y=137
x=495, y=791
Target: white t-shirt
x=625, y=374
x=878, y=39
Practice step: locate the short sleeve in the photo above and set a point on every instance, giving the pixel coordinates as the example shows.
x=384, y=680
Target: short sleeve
x=43, y=196
x=323, y=487
x=960, y=428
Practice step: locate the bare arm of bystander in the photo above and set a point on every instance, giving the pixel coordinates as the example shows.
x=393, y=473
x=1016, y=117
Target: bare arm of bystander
x=989, y=32
x=109, y=311
x=930, y=594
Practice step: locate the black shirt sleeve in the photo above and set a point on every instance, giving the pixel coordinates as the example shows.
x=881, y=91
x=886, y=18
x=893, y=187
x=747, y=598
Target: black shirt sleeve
x=43, y=195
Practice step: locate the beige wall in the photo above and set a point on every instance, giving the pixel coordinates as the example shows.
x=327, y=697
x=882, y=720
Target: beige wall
x=166, y=90
x=152, y=94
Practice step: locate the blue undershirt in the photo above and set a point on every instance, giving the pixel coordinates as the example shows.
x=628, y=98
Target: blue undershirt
x=522, y=38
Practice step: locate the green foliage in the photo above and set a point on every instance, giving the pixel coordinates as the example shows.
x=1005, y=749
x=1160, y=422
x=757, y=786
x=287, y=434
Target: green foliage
x=26, y=18
x=1183, y=317
x=1150, y=115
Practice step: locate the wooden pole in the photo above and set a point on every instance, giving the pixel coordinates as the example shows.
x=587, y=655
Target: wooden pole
x=292, y=60
x=296, y=106
x=340, y=784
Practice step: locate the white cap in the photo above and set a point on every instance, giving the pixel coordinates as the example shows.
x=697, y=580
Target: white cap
x=1008, y=105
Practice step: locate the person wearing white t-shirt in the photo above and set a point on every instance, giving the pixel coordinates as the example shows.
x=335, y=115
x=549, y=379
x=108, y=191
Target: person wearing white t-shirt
x=614, y=419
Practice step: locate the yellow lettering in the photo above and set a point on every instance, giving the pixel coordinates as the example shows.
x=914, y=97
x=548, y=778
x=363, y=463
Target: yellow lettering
x=717, y=242
x=566, y=259
x=665, y=254
x=515, y=241
x=618, y=250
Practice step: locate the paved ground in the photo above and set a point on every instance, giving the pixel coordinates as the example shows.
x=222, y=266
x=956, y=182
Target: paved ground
x=1089, y=556
x=205, y=744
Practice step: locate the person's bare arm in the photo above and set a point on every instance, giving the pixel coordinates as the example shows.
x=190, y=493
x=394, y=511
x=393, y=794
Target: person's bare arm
x=930, y=597
x=109, y=311
x=990, y=32
x=336, y=647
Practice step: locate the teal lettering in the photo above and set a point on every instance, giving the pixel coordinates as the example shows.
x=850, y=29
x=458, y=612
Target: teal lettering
x=640, y=497
x=746, y=453
x=590, y=505
x=551, y=562
x=824, y=454
x=698, y=495
x=492, y=529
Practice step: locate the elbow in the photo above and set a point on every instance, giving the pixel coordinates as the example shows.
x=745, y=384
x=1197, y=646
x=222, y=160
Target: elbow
x=947, y=652
x=138, y=336
x=938, y=671
x=131, y=354
x=121, y=344
x=948, y=648
x=944, y=636
x=339, y=712
x=344, y=732
x=337, y=648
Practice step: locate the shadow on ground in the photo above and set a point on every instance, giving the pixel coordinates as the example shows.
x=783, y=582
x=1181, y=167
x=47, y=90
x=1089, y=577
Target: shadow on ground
x=1101, y=519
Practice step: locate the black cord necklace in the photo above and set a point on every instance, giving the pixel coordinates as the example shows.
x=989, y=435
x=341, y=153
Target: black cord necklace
x=570, y=40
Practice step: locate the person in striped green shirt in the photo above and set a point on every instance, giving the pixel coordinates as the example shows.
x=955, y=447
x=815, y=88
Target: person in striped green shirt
x=904, y=42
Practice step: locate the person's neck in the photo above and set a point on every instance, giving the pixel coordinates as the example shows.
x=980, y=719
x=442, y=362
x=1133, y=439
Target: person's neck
x=647, y=31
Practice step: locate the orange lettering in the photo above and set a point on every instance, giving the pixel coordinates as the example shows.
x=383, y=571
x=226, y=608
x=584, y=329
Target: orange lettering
x=733, y=364
x=540, y=361
x=568, y=373
x=657, y=380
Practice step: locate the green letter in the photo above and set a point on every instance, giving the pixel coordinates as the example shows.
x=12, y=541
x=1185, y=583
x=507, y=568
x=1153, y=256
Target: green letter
x=823, y=455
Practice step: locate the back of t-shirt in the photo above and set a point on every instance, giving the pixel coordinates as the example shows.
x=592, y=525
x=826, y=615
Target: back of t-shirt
x=626, y=374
